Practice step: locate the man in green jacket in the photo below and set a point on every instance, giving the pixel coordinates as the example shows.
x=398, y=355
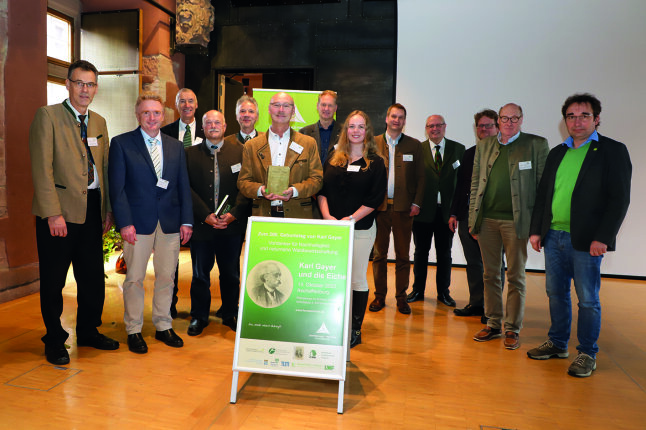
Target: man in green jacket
x=506, y=171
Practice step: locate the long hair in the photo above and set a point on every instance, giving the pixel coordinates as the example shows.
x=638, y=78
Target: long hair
x=341, y=154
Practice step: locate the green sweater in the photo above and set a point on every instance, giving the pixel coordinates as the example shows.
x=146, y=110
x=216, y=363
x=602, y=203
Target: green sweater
x=566, y=175
x=496, y=203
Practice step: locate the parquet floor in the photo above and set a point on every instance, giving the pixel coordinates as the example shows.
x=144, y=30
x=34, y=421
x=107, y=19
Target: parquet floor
x=421, y=371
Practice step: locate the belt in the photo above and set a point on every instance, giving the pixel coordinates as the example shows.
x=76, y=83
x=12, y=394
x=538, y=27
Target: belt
x=278, y=208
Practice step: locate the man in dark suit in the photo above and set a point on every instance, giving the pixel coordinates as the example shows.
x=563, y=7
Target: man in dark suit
x=151, y=200
x=326, y=130
x=441, y=163
x=68, y=145
x=404, y=197
x=581, y=202
x=247, y=116
x=486, y=124
x=213, y=168
x=281, y=146
x=188, y=130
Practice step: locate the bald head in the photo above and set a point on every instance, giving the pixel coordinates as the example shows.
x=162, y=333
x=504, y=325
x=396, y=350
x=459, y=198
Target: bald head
x=214, y=126
x=435, y=128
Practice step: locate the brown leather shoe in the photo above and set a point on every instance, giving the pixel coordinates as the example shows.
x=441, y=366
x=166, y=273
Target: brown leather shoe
x=487, y=333
x=403, y=307
x=511, y=340
x=377, y=305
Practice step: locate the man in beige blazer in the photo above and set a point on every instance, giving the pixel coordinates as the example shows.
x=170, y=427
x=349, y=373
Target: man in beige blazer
x=405, y=164
x=281, y=146
x=68, y=144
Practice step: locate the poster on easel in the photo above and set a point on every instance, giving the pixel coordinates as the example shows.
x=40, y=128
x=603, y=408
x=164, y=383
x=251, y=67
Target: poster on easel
x=295, y=293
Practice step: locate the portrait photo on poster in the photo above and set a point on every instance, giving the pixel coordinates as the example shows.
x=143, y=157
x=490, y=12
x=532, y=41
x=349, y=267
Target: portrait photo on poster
x=269, y=284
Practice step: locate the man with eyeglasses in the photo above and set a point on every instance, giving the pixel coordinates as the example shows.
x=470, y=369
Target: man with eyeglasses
x=68, y=144
x=188, y=130
x=326, y=130
x=213, y=168
x=486, y=123
x=441, y=159
x=281, y=146
x=506, y=171
x=581, y=203
x=247, y=116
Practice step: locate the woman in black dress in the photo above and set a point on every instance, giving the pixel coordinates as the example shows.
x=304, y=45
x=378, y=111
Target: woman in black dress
x=354, y=186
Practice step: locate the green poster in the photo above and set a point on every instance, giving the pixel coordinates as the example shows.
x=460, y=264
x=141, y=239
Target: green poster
x=295, y=296
x=305, y=112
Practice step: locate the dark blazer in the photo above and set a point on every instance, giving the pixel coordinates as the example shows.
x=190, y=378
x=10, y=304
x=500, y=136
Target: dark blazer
x=136, y=199
x=409, y=175
x=600, y=197
x=312, y=130
x=172, y=129
x=460, y=204
x=443, y=181
x=199, y=162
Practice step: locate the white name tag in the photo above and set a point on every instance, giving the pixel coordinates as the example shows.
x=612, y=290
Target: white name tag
x=525, y=165
x=296, y=147
x=353, y=168
x=92, y=141
x=456, y=164
x=198, y=140
x=236, y=168
x=162, y=183
x=408, y=157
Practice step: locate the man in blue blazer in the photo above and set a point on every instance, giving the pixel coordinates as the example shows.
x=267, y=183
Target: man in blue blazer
x=151, y=200
x=581, y=202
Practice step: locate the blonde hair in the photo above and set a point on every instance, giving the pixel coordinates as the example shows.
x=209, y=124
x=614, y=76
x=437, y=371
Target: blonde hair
x=341, y=155
x=148, y=96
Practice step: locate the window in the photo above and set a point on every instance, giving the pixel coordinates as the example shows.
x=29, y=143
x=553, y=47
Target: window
x=60, y=37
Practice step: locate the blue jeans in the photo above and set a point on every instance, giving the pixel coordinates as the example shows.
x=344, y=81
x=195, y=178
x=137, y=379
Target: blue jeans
x=563, y=264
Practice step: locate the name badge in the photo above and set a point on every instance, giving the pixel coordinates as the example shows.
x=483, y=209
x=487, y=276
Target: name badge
x=408, y=157
x=92, y=141
x=296, y=147
x=353, y=168
x=162, y=183
x=456, y=164
x=525, y=165
x=236, y=168
x=198, y=140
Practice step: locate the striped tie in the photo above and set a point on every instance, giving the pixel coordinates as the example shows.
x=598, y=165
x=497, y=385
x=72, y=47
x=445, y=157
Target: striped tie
x=188, y=137
x=155, y=155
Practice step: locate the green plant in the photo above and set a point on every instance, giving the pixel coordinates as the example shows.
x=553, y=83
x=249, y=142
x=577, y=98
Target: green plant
x=111, y=242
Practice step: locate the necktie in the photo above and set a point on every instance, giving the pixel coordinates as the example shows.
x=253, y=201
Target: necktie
x=216, y=177
x=90, y=159
x=247, y=137
x=155, y=155
x=438, y=158
x=188, y=137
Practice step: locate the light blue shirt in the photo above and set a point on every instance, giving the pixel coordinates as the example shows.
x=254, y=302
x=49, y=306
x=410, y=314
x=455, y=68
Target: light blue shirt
x=569, y=142
x=150, y=146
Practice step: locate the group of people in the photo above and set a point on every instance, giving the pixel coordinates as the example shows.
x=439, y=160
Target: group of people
x=187, y=181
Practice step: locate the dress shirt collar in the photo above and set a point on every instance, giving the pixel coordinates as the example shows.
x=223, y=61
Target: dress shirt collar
x=274, y=136
x=442, y=144
x=511, y=139
x=392, y=142
x=76, y=113
x=147, y=138
x=569, y=142
x=251, y=135
x=214, y=147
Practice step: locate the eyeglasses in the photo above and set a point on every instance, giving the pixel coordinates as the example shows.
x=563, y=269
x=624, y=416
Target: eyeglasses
x=435, y=125
x=281, y=105
x=583, y=117
x=513, y=119
x=80, y=84
x=486, y=126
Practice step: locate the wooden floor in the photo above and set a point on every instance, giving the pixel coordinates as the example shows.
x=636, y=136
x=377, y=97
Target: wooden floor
x=421, y=371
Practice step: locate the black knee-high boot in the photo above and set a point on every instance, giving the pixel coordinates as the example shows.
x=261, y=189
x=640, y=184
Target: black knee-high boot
x=359, y=303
